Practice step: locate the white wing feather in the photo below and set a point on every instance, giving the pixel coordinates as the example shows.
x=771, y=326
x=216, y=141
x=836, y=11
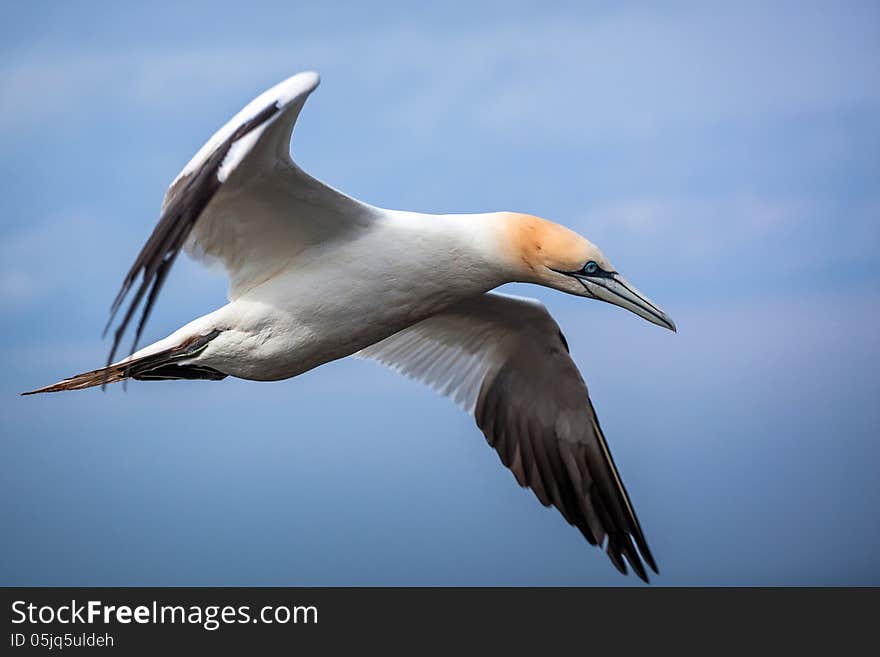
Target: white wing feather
x=243, y=202
x=267, y=210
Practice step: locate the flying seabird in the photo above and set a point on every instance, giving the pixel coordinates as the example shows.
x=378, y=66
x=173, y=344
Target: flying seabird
x=315, y=275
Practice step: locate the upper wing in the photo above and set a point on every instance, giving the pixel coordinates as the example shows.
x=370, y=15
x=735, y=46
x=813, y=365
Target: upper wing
x=243, y=202
x=506, y=361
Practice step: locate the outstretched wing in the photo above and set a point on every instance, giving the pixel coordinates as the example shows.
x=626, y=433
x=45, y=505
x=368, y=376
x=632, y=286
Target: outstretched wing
x=505, y=360
x=243, y=202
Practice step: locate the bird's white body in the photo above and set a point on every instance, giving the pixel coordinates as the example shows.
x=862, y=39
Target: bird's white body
x=336, y=298
x=315, y=275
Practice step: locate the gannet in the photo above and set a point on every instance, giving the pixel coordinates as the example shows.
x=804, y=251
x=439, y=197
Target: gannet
x=315, y=275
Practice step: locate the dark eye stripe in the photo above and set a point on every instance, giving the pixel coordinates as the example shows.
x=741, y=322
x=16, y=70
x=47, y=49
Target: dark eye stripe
x=592, y=269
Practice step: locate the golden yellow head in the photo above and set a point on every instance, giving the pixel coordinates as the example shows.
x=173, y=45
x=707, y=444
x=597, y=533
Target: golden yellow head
x=543, y=252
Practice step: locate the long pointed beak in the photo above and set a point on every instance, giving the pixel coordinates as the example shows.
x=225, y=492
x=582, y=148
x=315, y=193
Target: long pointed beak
x=616, y=289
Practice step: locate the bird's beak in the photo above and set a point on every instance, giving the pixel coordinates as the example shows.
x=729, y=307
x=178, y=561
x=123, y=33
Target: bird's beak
x=614, y=288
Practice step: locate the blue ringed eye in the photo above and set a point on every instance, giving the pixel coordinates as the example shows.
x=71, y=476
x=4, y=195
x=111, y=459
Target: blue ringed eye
x=591, y=267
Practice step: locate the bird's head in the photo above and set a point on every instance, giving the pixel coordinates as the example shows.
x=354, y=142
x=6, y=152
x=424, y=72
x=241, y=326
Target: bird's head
x=546, y=253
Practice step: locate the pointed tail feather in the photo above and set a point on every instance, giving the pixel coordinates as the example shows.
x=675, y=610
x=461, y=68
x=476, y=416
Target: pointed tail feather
x=163, y=365
x=98, y=377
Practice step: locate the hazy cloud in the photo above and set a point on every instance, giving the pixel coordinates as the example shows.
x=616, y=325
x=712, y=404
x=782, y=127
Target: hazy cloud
x=695, y=65
x=699, y=229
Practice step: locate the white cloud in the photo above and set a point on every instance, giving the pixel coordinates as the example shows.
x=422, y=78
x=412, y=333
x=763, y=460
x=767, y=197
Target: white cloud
x=623, y=73
x=45, y=258
x=16, y=286
x=785, y=235
x=698, y=229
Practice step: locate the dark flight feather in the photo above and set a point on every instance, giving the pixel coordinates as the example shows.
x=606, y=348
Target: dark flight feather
x=188, y=199
x=535, y=410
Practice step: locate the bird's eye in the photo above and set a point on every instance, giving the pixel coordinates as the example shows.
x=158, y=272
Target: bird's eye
x=591, y=267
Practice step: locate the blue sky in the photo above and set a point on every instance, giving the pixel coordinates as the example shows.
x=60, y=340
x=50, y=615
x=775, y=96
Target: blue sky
x=726, y=158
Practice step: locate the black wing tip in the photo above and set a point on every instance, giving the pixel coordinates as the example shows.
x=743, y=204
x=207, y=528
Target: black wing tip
x=649, y=559
x=639, y=569
x=642, y=545
x=622, y=552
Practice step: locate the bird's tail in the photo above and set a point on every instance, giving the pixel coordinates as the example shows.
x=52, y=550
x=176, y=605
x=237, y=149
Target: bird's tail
x=159, y=366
